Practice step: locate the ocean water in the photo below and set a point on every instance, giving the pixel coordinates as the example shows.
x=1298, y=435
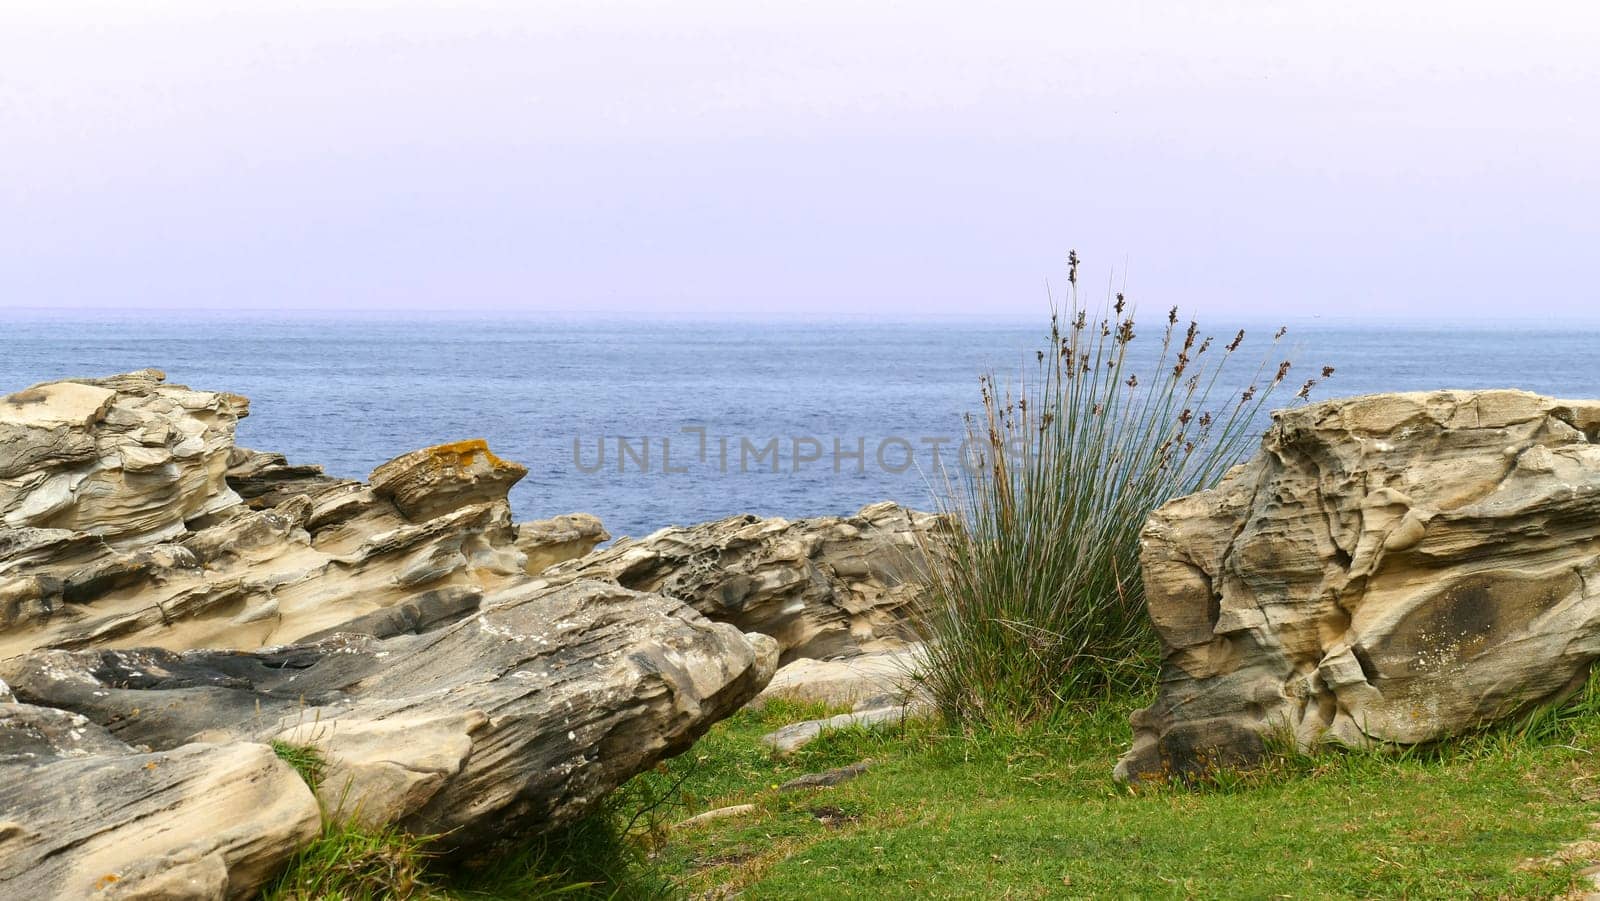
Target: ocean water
x=797, y=418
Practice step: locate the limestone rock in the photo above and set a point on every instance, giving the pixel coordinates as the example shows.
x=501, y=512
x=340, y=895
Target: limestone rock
x=823, y=587
x=436, y=480
x=1394, y=568
x=559, y=539
x=847, y=681
x=521, y=717
x=85, y=815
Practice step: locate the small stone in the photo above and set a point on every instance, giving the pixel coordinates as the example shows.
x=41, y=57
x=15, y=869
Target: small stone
x=720, y=813
x=827, y=779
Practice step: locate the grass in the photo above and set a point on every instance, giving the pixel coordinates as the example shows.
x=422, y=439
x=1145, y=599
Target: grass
x=307, y=760
x=1037, y=602
x=355, y=864
x=599, y=857
x=1033, y=812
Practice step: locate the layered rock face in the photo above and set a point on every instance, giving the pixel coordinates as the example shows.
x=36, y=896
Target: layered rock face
x=133, y=520
x=127, y=458
x=86, y=815
x=823, y=587
x=1394, y=568
x=520, y=717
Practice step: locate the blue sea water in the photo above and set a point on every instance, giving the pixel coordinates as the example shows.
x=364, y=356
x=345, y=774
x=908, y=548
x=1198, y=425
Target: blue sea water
x=352, y=392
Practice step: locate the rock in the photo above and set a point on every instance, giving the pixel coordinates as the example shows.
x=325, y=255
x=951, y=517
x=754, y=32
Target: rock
x=823, y=587
x=87, y=816
x=795, y=736
x=1395, y=568
x=720, y=813
x=559, y=539
x=131, y=519
x=266, y=480
x=847, y=681
x=127, y=460
x=826, y=780
x=519, y=718
x=436, y=480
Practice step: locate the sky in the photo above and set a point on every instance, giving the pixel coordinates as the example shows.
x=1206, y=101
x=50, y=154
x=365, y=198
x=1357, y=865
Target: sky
x=1428, y=160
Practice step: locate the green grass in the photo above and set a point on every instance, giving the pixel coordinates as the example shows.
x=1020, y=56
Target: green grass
x=1034, y=813
x=354, y=864
x=306, y=760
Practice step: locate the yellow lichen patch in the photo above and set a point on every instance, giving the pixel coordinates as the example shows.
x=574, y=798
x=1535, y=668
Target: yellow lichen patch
x=461, y=454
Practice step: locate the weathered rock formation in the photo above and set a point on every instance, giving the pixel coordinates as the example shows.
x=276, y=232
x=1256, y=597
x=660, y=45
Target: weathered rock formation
x=822, y=587
x=172, y=605
x=1394, y=568
x=126, y=458
x=436, y=480
x=131, y=519
x=520, y=717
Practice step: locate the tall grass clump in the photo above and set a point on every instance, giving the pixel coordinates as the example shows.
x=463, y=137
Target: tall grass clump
x=1036, y=596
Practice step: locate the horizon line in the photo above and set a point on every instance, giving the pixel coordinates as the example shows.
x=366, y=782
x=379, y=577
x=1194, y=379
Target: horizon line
x=578, y=315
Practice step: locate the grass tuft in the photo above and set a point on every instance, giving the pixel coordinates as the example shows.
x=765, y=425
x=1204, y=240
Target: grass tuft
x=356, y=864
x=1037, y=603
x=306, y=760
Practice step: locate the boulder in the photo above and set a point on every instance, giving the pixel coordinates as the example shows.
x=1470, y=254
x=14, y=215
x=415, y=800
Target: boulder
x=517, y=719
x=1392, y=569
x=172, y=607
x=85, y=815
x=823, y=587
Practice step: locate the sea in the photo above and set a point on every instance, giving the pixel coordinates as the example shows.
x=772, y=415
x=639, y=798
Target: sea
x=651, y=422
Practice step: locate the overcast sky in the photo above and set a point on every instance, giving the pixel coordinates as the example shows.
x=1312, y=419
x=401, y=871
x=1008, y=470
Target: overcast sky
x=1289, y=159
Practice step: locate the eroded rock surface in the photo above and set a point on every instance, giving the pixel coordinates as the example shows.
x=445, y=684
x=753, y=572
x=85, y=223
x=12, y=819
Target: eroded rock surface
x=848, y=681
x=521, y=717
x=128, y=458
x=436, y=480
x=131, y=519
x=1394, y=568
x=823, y=587
x=85, y=815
